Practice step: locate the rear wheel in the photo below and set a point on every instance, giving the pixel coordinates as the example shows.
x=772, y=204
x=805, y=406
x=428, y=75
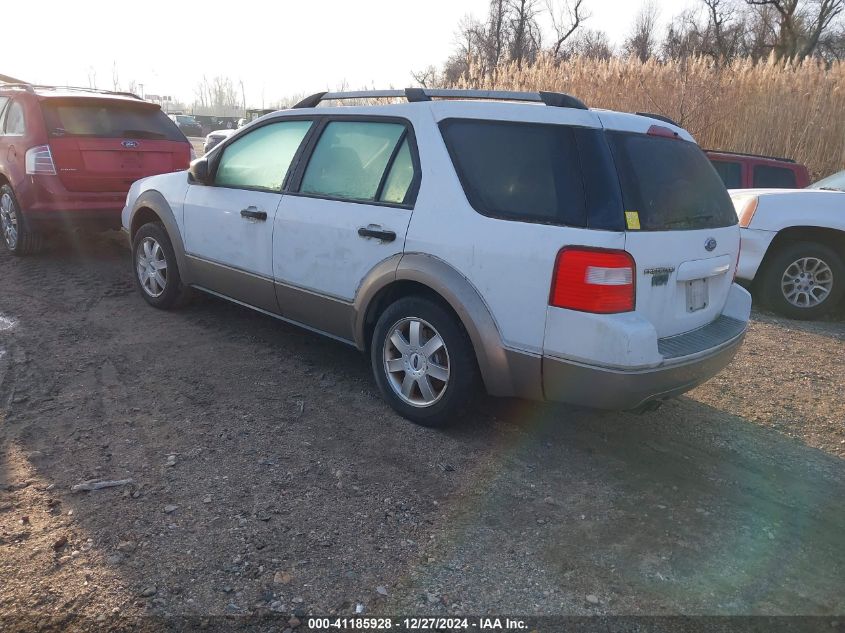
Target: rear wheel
x=423, y=361
x=804, y=280
x=16, y=234
x=155, y=267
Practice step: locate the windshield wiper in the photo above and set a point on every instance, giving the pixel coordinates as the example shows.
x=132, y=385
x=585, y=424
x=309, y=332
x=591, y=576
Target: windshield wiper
x=829, y=189
x=143, y=134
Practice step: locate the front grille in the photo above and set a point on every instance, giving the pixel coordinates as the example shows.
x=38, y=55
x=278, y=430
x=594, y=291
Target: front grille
x=719, y=331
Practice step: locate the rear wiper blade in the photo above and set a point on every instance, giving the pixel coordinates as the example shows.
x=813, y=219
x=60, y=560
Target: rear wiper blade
x=689, y=219
x=142, y=134
x=830, y=189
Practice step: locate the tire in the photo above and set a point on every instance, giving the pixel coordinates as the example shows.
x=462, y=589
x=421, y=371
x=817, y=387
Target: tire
x=808, y=297
x=155, y=269
x=435, y=397
x=15, y=232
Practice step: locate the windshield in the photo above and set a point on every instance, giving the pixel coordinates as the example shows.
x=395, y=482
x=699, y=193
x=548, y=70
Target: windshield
x=109, y=120
x=186, y=119
x=669, y=183
x=836, y=182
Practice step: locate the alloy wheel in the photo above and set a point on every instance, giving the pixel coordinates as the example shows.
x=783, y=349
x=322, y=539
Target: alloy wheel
x=8, y=221
x=807, y=282
x=151, y=267
x=416, y=362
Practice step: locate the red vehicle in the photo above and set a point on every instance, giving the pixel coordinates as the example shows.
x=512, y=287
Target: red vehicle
x=750, y=171
x=69, y=155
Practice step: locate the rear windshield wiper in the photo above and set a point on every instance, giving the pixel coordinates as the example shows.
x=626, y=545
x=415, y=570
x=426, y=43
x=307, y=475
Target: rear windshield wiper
x=688, y=220
x=830, y=189
x=143, y=134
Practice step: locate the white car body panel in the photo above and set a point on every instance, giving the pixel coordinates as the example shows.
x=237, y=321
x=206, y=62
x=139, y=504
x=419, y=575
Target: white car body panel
x=779, y=209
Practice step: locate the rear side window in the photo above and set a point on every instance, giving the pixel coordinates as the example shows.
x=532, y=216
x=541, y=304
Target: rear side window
x=768, y=177
x=14, y=120
x=261, y=158
x=108, y=120
x=3, y=102
x=351, y=161
x=670, y=183
x=518, y=171
x=730, y=172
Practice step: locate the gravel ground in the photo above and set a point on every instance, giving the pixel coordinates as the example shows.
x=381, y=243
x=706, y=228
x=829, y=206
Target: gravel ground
x=268, y=476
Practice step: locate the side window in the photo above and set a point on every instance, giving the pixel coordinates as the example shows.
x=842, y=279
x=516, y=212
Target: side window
x=400, y=176
x=261, y=159
x=767, y=177
x=14, y=120
x=3, y=102
x=519, y=171
x=350, y=160
x=730, y=172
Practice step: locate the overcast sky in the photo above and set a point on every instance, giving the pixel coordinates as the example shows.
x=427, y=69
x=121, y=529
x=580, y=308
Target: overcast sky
x=276, y=48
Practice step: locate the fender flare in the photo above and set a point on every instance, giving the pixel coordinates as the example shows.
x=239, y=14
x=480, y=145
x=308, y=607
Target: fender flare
x=497, y=364
x=156, y=202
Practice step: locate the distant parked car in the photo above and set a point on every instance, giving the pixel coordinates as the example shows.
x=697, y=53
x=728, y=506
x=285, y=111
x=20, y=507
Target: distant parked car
x=552, y=252
x=793, y=246
x=750, y=171
x=69, y=155
x=187, y=124
x=214, y=139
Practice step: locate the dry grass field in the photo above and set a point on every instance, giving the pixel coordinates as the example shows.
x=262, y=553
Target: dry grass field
x=794, y=111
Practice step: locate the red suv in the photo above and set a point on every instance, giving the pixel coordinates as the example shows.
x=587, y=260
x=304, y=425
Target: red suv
x=69, y=155
x=750, y=171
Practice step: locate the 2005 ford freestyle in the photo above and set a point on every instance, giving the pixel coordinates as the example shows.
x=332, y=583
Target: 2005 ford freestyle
x=519, y=240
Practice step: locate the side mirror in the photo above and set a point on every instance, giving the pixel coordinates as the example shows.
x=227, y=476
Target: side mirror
x=198, y=171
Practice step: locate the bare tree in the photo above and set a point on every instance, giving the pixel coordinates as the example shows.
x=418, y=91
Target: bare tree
x=593, y=44
x=801, y=25
x=526, y=40
x=642, y=40
x=565, y=21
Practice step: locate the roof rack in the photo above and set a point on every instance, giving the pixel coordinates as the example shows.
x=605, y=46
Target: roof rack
x=658, y=117
x=415, y=95
x=10, y=82
x=764, y=156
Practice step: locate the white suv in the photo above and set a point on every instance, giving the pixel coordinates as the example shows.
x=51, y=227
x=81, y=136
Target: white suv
x=545, y=249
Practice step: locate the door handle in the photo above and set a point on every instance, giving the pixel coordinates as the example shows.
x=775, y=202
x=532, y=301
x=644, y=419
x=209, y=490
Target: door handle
x=377, y=232
x=253, y=214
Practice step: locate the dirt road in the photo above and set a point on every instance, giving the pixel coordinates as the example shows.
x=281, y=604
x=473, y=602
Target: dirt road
x=268, y=475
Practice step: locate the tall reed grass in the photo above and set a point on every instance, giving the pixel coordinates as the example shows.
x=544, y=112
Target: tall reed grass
x=797, y=111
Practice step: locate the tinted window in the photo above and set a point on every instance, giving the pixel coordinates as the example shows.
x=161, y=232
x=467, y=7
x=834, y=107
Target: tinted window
x=400, y=177
x=729, y=172
x=113, y=120
x=350, y=159
x=520, y=171
x=260, y=159
x=14, y=119
x=670, y=183
x=767, y=177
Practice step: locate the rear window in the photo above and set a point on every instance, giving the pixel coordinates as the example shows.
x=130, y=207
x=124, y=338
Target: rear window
x=518, y=171
x=111, y=120
x=768, y=177
x=730, y=172
x=670, y=183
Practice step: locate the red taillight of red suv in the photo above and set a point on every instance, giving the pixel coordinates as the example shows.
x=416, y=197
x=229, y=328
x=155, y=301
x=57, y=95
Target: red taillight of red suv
x=594, y=280
x=39, y=161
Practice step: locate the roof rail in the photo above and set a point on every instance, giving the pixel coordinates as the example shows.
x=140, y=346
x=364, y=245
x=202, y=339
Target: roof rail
x=414, y=95
x=658, y=117
x=5, y=82
x=764, y=156
x=22, y=85
x=11, y=80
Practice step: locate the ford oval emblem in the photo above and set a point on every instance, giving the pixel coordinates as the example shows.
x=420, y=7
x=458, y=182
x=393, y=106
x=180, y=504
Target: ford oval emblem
x=130, y=144
x=710, y=244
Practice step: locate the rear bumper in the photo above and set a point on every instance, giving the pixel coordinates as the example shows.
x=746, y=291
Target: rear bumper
x=604, y=388
x=45, y=201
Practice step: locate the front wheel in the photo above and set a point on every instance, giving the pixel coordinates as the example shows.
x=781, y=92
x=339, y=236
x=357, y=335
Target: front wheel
x=804, y=280
x=423, y=361
x=155, y=267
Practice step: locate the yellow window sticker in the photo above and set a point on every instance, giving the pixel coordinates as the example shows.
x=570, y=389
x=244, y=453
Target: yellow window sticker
x=632, y=220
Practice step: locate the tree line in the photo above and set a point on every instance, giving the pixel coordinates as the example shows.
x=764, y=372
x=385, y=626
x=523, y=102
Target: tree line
x=521, y=31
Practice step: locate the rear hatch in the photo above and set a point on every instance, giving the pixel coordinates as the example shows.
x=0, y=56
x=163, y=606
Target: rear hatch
x=104, y=145
x=681, y=229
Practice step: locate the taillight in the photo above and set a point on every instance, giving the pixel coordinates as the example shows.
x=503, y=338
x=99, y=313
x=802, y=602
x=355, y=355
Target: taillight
x=594, y=280
x=661, y=130
x=746, y=213
x=39, y=161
